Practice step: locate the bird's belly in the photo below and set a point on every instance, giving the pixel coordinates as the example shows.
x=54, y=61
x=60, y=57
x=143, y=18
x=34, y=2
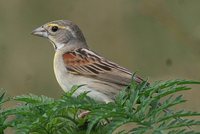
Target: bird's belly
x=95, y=92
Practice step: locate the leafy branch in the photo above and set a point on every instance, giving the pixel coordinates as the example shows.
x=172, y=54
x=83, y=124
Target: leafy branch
x=136, y=104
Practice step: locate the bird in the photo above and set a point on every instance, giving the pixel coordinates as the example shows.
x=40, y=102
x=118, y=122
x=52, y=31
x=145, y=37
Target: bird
x=75, y=64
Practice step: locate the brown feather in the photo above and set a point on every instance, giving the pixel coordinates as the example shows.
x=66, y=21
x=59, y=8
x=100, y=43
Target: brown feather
x=85, y=62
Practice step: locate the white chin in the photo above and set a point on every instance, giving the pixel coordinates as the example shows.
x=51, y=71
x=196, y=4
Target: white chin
x=57, y=46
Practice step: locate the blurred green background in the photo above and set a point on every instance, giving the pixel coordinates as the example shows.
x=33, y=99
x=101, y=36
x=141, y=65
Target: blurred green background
x=159, y=39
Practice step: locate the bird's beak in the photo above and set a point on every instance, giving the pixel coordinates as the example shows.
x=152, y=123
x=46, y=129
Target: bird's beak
x=40, y=31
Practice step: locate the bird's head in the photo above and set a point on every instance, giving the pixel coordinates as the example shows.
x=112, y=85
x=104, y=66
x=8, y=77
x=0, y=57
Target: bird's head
x=62, y=33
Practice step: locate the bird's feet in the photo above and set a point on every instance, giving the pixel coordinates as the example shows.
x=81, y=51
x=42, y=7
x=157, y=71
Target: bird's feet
x=83, y=114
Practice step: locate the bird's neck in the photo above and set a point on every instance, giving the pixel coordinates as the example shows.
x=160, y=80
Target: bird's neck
x=70, y=46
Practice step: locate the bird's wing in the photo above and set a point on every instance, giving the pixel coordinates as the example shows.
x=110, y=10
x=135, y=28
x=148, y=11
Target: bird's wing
x=85, y=62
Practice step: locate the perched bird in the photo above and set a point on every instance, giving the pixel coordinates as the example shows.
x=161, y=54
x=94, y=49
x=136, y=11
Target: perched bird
x=76, y=64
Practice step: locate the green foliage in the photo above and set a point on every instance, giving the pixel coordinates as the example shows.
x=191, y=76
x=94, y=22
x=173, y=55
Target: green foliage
x=137, y=104
x=2, y=116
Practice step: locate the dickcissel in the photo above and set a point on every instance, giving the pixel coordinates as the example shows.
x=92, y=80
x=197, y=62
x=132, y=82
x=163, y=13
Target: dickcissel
x=76, y=64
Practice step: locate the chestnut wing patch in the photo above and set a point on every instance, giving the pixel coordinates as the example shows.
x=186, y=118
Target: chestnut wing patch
x=85, y=62
x=81, y=62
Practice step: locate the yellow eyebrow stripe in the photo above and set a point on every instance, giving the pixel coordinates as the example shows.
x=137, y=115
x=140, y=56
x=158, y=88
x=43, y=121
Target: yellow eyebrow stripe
x=61, y=27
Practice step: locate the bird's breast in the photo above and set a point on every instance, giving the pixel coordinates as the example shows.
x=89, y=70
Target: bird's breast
x=61, y=73
x=65, y=78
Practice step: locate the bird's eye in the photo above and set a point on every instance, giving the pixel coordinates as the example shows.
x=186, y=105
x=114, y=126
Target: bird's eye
x=54, y=29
